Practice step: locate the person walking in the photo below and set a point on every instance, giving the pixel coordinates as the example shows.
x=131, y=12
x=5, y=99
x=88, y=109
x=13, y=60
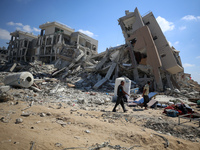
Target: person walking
x=120, y=94
x=145, y=94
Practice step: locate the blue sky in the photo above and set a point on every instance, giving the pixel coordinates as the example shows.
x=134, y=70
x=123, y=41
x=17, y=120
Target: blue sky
x=179, y=20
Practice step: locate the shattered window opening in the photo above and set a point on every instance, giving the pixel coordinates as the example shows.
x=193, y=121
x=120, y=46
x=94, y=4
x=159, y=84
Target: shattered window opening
x=25, y=43
x=163, y=55
x=147, y=23
x=48, y=41
x=57, y=30
x=155, y=37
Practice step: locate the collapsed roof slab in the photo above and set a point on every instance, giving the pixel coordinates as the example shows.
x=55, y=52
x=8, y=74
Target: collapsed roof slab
x=145, y=44
x=49, y=28
x=23, y=35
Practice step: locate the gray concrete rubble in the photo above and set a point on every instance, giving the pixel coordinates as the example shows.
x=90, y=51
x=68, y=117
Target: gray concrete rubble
x=66, y=67
x=19, y=120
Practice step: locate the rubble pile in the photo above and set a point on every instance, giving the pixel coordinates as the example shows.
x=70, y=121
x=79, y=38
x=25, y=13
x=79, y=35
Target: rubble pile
x=171, y=128
x=72, y=57
x=160, y=124
x=47, y=89
x=51, y=86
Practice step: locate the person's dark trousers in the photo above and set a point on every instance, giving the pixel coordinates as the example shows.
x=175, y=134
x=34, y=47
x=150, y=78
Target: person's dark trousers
x=119, y=101
x=146, y=100
x=125, y=98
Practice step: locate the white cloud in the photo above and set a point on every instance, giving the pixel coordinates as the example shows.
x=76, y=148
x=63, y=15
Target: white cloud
x=27, y=28
x=14, y=24
x=87, y=32
x=20, y=26
x=198, y=57
x=11, y=23
x=190, y=17
x=4, y=34
x=188, y=65
x=182, y=28
x=164, y=24
x=36, y=29
x=176, y=43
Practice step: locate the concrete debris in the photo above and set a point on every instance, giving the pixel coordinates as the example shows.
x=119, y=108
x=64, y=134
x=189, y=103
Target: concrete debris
x=19, y=120
x=49, y=114
x=42, y=114
x=58, y=144
x=4, y=88
x=62, y=123
x=13, y=67
x=4, y=119
x=107, y=145
x=25, y=114
x=4, y=97
x=87, y=131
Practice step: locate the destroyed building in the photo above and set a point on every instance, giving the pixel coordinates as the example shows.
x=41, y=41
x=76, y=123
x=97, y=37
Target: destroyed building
x=3, y=54
x=54, y=37
x=20, y=47
x=145, y=56
x=149, y=48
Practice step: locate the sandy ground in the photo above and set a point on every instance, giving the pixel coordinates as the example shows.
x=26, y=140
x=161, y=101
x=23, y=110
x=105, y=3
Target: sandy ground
x=74, y=128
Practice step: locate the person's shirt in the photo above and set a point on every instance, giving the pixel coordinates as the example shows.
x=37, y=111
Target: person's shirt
x=147, y=89
x=120, y=90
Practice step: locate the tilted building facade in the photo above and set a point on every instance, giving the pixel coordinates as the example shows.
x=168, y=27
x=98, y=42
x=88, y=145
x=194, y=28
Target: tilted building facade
x=148, y=47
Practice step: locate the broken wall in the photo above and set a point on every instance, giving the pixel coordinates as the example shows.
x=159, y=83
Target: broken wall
x=146, y=46
x=169, y=62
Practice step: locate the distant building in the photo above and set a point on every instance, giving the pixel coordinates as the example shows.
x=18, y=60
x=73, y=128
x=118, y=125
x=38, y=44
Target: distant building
x=20, y=47
x=3, y=54
x=54, y=37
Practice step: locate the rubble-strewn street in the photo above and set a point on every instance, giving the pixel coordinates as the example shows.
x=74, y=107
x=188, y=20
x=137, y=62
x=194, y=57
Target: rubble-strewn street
x=47, y=124
x=57, y=92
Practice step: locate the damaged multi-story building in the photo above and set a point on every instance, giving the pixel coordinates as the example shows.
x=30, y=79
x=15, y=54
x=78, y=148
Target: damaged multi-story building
x=148, y=47
x=20, y=46
x=55, y=38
